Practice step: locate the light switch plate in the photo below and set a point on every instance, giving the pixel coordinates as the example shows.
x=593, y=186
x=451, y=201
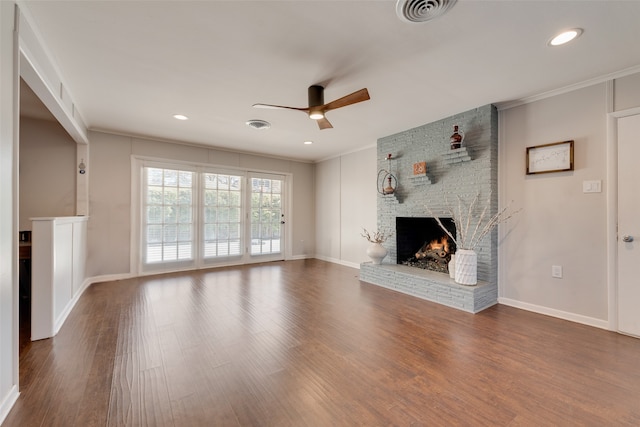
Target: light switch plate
x=556, y=271
x=594, y=186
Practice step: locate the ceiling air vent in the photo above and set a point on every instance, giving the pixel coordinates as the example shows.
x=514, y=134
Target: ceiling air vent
x=422, y=10
x=258, y=124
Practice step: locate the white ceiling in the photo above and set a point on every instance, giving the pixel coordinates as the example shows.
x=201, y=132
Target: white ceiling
x=131, y=65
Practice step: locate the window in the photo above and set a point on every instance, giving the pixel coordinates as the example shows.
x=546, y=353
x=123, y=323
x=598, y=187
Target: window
x=195, y=215
x=168, y=215
x=222, y=215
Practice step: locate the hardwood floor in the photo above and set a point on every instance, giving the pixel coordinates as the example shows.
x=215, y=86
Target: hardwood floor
x=305, y=343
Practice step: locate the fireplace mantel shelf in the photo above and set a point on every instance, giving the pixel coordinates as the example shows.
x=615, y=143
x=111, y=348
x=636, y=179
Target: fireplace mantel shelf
x=430, y=285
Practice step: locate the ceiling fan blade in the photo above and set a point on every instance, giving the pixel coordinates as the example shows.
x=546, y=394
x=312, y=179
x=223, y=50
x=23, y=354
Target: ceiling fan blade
x=353, y=98
x=279, y=107
x=323, y=123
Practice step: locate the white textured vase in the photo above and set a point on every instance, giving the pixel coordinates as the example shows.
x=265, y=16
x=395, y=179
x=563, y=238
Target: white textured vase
x=377, y=252
x=466, y=270
x=452, y=267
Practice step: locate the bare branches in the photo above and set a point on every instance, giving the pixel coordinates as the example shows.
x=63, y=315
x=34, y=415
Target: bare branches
x=379, y=236
x=462, y=217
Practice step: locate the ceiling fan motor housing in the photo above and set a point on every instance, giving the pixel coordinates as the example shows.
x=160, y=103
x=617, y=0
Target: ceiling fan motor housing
x=316, y=95
x=316, y=99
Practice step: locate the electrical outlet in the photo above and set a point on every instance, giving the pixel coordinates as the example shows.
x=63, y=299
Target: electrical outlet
x=556, y=271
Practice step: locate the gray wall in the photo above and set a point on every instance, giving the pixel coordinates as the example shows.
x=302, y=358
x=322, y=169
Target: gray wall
x=109, y=227
x=345, y=203
x=559, y=224
x=47, y=171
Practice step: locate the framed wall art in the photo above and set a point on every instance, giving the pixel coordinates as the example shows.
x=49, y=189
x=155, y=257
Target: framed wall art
x=554, y=157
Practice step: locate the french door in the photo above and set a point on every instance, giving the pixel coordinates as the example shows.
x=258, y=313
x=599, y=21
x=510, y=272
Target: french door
x=192, y=217
x=266, y=217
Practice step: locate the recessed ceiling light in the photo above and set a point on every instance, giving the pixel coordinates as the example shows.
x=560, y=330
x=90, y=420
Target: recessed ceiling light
x=180, y=117
x=308, y=142
x=565, y=37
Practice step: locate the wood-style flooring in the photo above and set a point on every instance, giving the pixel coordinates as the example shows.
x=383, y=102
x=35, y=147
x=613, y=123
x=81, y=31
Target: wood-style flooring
x=305, y=343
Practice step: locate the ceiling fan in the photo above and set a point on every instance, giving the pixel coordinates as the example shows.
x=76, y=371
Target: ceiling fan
x=317, y=108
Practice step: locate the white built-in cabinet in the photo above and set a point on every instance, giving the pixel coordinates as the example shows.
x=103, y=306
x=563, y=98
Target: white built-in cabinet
x=58, y=259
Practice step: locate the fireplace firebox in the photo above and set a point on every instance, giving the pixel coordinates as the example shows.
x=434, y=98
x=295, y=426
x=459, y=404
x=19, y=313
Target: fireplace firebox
x=422, y=243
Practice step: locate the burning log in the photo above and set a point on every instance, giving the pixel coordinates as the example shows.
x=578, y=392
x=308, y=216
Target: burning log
x=437, y=250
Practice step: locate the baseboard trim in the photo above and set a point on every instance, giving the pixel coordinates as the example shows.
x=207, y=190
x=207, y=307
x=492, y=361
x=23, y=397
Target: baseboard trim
x=8, y=402
x=572, y=317
x=67, y=310
x=298, y=257
x=108, y=278
x=338, y=261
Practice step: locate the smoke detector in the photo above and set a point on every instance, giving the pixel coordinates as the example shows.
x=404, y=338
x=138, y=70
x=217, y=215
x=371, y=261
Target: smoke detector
x=422, y=10
x=258, y=124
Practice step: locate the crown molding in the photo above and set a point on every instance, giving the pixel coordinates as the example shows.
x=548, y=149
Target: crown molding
x=566, y=89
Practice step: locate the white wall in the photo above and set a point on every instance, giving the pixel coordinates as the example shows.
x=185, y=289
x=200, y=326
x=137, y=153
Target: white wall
x=108, y=229
x=109, y=226
x=8, y=209
x=559, y=224
x=47, y=171
x=328, y=210
x=345, y=203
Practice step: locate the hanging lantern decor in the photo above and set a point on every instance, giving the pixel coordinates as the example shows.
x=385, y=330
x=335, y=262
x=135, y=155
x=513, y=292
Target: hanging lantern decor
x=387, y=182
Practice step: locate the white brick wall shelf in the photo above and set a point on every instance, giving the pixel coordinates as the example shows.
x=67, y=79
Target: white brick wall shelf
x=391, y=198
x=420, y=180
x=430, y=285
x=459, y=155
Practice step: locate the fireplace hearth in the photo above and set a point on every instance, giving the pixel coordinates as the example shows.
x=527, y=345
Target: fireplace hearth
x=422, y=243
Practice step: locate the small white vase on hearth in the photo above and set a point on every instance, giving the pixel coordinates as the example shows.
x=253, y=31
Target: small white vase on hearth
x=466, y=267
x=377, y=252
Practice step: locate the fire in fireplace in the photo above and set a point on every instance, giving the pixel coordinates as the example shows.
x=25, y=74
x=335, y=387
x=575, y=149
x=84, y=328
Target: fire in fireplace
x=421, y=243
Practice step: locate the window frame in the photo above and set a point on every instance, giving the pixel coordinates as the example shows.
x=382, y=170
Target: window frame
x=138, y=267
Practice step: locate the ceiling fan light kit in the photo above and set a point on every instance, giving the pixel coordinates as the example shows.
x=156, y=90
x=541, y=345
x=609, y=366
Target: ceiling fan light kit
x=422, y=10
x=317, y=109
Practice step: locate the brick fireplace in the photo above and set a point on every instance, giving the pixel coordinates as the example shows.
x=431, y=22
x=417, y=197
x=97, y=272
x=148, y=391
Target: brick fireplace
x=465, y=173
x=421, y=243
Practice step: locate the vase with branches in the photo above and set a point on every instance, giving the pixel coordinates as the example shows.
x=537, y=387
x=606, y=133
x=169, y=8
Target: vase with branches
x=376, y=251
x=378, y=236
x=470, y=232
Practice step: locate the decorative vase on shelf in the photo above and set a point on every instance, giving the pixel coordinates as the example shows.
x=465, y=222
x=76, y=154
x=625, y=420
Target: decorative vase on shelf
x=456, y=138
x=466, y=269
x=452, y=266
x=377, y=252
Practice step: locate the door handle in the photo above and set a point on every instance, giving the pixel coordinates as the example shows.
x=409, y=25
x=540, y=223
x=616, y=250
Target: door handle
x=627, y=238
